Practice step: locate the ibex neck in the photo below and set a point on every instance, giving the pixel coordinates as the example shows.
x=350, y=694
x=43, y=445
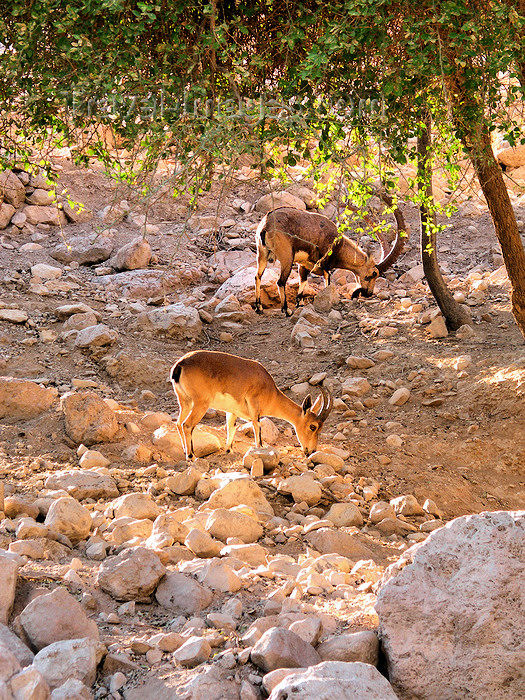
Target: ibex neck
x=284, y=408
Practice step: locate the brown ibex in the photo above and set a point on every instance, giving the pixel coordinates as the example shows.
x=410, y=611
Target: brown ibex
x=313, y=241
x=205, y=379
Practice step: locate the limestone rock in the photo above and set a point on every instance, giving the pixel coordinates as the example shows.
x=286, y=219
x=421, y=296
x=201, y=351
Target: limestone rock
x=8, y=666
x=406, y=505
x=182, y=594
x=240, y=490
x=54, y=616
x=176, y=320
x=326, y=541
x=29, y=683
x=273, y=200
x=13, y=315
x=89, y=420
x=459, y=598
x=355, y=646
x=335, y=680
x=223, y=523
x=252, y=554
x=167, y=439
x=83, y=484
x=12, y=190
x=131, y=575
x=303, y=488
x=85, y=250
x=8, y=577
x=193, y=652
x=345, y=515
x=280, y=648
x=21, y=399
x=381, y=510
x=268, y=455
x=67, y=310
x=202, y=544
x=22, y=652
x=135, y=505
x=6, y=214
x=50, y=215
x=184, y=483
x=95, y=336
x=72, y=658
x=132, y=256
x=219, y=576
x=69, y=518
x=356, y=386
x=399, y=397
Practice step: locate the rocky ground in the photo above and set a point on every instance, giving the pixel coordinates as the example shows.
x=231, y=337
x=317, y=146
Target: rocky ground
x=204, y=580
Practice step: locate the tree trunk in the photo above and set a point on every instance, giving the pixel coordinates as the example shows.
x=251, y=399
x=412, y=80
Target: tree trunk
x=493, y=186
x=455, y=315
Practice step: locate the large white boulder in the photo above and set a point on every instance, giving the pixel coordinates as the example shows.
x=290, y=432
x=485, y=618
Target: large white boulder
x=451, y=619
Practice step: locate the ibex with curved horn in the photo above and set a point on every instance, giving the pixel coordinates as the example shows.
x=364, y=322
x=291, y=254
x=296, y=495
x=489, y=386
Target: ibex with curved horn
x=313, y=241
x=205, y=379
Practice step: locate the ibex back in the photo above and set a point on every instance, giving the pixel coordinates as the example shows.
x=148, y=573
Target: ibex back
x=314, y=243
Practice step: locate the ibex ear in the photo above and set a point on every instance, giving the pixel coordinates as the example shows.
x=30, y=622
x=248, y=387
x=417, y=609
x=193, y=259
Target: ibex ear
x=307, y=403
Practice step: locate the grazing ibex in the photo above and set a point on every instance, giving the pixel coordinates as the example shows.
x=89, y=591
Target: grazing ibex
x=313, y=241
x=205, y=379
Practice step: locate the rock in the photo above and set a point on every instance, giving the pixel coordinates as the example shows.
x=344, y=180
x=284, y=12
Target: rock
x=89, y=420
x=273, y=200
x=355, y=646
x=182, y=594
x=345, y=515
x=237, y=491
x=64, y=312
x=91, y=459
x=27, y=528
x=131, y=575
x=442, y=597
x=167, y=439
x=184, y=483
x=41, y=198
x=513, y=157
x=219, y=576
x=399, y=397
x=143, y=284
x=326, y=541
x=169, y=524
x=54, y=616
x=325, y=299
x=241, y=284
x=332, y=460
x=268, y=456
x=356, y=386
x=69, y=518
x=309, y=629
x=15, y=506
x=78, y=322
x=83, y=484
x=8, y=578
x=85, y=250
x=72, y=689
x=406, y=505
x=13, y=315
x=132, y=256
x=12, y=190
x=438, y=328
x=303, y=488
x=212, y=683
x=193, y=652
x=176, y=320
x=126, y=529
x=15, y=645
x=76, y=212
x=135, y=505
x=6, y=214
x=223, y=523
x=21, y=399
x=201, y=544
x=280, y=648
x=29, y=683
x=335, y=680
x=381, y=510
x=252, y=554
x=95, y=336
x=51, y=215
x=72, y=658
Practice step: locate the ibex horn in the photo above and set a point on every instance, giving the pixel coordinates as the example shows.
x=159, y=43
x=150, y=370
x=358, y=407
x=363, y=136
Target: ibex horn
x=326, y=406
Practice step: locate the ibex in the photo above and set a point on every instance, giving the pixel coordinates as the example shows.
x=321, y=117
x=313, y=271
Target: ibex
x=205, y=379
x=313, y=241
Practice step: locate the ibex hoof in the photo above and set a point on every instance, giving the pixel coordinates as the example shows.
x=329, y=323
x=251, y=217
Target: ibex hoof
x=258, y=310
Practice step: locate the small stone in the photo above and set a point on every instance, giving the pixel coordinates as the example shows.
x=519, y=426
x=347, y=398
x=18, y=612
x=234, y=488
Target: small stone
x=193, y=652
